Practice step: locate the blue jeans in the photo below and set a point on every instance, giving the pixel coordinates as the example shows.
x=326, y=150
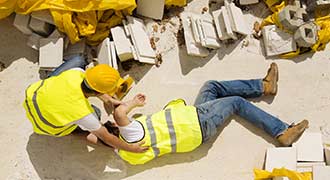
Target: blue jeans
x=218, y=100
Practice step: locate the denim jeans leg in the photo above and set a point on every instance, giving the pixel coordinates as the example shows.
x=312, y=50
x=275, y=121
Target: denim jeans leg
x=212, y=90
x=77, y=61
x=213, y=114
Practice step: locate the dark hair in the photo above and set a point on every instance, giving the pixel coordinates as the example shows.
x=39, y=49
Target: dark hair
x=86, y=89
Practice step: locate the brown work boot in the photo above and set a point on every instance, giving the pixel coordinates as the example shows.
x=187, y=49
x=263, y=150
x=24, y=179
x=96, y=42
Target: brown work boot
x=270, y=81
x=292, y=133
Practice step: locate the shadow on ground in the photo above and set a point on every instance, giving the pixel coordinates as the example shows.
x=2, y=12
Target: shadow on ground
x=69, y=158
x=11, y=39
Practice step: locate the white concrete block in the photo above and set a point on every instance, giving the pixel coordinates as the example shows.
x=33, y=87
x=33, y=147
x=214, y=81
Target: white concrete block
x=327, y=154
x=141, y=41
x=75, y=49
x=310, y=147
x=104, y=53
x=227, y=23
x=321, y=172
x=247, y=2
x=220, y=25
x=277, y=41
x=196, y=28
x=40, y=27
x=281, y=157
x=237, y=21
x=33, y=41
x=50, y=53
x=122, y=43
x=113, y=55
x=43, y=15
x=22, y=22
x=308, y=166
x=208, y=33
x=151, y=8
x=193, y=48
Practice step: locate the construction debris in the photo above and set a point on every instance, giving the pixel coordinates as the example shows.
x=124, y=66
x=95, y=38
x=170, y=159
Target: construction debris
x=310, y=147
x=306, y=35
x=107, y=54
x=40, y=27
x=248, y=2
x=22, y=22
x=321, y=172
x=50, y=53
x=277, y=41
x=33, y=41
x=151, y=8
x=43, y=15
x=123, y=45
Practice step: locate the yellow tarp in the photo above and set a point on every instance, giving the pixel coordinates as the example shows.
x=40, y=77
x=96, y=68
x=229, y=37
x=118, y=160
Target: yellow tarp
x=322, y=21
x=292, y=175
x=79, y=18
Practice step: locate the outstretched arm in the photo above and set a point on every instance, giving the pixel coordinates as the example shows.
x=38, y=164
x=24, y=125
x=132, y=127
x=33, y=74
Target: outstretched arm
x=109, y=102
x=120, y=113
x=115, y=142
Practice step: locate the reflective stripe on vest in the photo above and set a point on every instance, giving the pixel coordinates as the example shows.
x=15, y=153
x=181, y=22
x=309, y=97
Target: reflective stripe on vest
x=153, y=138
x=35, y=104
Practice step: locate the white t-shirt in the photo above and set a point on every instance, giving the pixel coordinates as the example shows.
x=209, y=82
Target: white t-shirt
x=133, y=132
x=88, y=123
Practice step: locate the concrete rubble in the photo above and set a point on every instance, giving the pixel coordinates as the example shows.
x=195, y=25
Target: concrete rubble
x=106, y=53
x=50, y=53
x=248, y=2
x=151, y=8
x=306, y=35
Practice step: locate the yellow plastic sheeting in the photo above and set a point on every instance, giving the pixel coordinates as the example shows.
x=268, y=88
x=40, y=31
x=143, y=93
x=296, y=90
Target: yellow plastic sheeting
x=179, y=3
x=7, y=7
x=273, y=3
x=292, y=175
x=323, y=33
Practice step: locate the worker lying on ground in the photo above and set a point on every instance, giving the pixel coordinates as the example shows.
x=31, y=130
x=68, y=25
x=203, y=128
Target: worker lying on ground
x=57, y=105
x=181, y=128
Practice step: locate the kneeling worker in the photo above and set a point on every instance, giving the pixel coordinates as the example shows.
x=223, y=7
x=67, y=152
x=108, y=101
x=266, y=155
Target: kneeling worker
x=57, y=105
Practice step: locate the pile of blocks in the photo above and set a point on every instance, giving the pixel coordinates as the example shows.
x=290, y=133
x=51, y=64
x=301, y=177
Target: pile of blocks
x=131, y=41
x=294, y=19
x=203, y=31
x=306, y=155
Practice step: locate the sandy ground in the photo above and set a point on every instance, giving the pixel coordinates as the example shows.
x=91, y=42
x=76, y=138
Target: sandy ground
x=239, y=147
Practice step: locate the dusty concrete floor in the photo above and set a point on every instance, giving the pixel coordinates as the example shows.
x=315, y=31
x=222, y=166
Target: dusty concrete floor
x=303, y=93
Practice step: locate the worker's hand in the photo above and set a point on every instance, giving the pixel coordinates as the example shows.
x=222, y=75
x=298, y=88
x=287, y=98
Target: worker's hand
x=116, y=102
x=138, y=148
x=139, y=100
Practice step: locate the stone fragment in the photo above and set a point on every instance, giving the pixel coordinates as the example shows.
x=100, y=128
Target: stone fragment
x=22, y=22
x=237, y=21
x=107, y=54
x=276, y=41
x=151, y=8
x=193, y=48
x=306, y=35
x=310, y=147
x=40, y=27
x=33, y=41
x=122, y=44
x=247, y=2
x=43, y=15
x=220, y=25
x=50, y=53
x=291, y=17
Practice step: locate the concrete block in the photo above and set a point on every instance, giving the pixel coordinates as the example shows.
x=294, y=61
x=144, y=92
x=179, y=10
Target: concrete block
x=43, y=15
x=40, y=27
x=308, y=166
x=247, y=2
x=50, y=53
x=209, y=36
x=75, y=49
x=33, y=41
x=322, y=2
x=229, y=30
x=107, y=53
x=122, y=43
x=56, y=34
x=306, y=35
x=193, y=48
x=277, y=41
x=281, y=157
x=220, y=25
x=141, y=41
x=291, y=17
x=310, y=147
x=151, y=8
x=321, y=172
x=237, y=21
x=22, y=22
x=327, y=154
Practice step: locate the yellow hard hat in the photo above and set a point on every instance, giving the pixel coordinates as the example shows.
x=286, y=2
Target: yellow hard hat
x=103, y=78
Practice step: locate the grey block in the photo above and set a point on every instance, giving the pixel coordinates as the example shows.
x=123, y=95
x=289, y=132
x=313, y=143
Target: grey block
x=43, y=15
x=21, y=22
x=291, y=17
x=306, y=35
x=50, y=53
x=33, y=41
x=40, y=27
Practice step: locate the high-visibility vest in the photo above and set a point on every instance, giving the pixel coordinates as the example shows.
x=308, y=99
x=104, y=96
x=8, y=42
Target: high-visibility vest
x=174, y=129
x=52, y=104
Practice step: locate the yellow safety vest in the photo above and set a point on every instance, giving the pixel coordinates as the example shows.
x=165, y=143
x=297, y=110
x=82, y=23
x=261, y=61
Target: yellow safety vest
x=52, y=104
x=174, y=129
